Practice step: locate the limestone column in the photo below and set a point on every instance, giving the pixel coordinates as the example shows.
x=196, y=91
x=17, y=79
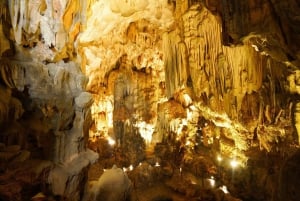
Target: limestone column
x=297, y=119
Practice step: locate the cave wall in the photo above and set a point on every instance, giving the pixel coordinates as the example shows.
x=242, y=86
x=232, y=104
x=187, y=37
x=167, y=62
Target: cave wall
x=236, y=73
x=45, y=108
x=211, y=57
x=45, y=111
x=153, y=66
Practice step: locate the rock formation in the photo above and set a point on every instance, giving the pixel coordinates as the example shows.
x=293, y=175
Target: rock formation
x=170, y=82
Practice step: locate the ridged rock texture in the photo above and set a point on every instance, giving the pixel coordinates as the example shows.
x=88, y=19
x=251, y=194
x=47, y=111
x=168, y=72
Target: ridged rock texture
x=219, y=74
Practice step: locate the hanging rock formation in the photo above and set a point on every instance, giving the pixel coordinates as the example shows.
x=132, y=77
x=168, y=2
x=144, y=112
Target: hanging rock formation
x=192, y=74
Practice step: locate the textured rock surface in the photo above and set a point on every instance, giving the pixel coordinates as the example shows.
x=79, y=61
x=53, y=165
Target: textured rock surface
x=113, y=185
x=288, y=182
x=45, y=108
x=189, y=75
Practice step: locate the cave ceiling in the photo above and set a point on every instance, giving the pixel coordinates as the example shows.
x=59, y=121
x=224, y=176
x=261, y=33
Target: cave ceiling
x=229, y=68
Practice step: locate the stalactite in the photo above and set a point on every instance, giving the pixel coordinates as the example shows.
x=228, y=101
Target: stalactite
x=175, y=59
x=230, y=75
x=222, y=120
x=202, y=36
x=4, y=11
x=5, y=96
x=4, y=15
x=271, y=83
x=278, y=116
x=247, y=70
x=261, y=111
x=12, y=75
x=296, y=118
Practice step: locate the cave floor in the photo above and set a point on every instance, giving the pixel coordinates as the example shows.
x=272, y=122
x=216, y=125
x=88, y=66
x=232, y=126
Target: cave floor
x=157, y=192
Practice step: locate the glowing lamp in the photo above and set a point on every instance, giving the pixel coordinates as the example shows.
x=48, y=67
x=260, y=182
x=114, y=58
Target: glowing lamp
x=219, y=158
x=234, y=163
x=224, y=189
x=111, y=141
x=212, y=181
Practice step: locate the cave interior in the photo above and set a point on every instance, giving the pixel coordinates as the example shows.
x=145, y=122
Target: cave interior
x=139, y=100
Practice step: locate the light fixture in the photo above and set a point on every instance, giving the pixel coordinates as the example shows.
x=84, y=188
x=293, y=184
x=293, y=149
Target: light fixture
x=224, y=189
x=212, y=181
x=111, y=141
x=234, y=163
x=219, y=158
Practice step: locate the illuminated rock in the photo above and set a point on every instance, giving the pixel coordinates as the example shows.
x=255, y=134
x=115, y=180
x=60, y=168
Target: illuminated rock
x=113, y=185
x=189, y=75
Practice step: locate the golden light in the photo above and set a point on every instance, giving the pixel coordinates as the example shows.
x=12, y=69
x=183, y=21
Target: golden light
x=224, y=189
x=193, y=182
x=109, y=111
x=222, y=120
x=234, y=163
x=212, y=181
x=188, y=143
x=193, y=108
x=146, y=130
x=111, y=141
x=130, y=168
x=219, y=158
x=102, y=114
x=189, y=114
